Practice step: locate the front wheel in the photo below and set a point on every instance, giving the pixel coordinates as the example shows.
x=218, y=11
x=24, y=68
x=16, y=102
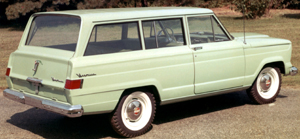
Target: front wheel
x=266, y=87
x=134, y=114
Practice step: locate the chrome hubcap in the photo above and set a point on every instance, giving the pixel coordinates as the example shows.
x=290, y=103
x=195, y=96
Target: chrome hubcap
x=134, y=110
x=265, y=83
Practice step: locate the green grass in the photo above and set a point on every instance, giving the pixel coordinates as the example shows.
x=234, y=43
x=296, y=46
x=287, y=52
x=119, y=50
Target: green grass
x=278, y=26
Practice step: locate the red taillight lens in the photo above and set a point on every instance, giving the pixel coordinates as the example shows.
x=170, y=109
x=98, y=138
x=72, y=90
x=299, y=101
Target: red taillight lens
x=73, y=84
x=7, y=71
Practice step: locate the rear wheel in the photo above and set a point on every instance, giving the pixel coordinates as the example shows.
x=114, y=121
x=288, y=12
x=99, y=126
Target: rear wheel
x=266, y=87
x=134, y=114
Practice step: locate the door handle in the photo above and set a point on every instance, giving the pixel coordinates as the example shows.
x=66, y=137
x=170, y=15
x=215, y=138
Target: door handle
x=197, y=48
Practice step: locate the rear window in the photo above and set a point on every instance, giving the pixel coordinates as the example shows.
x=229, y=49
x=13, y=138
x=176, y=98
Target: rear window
x=54, y=31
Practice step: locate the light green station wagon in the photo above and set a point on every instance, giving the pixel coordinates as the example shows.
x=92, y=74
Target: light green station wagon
x=128, y=61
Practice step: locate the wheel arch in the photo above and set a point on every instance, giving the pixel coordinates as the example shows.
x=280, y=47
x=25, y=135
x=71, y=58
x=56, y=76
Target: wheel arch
x=148, y=88
x=278, y=64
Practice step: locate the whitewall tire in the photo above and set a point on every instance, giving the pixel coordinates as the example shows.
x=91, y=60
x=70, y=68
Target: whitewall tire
x=134, y=114
x=266, y=87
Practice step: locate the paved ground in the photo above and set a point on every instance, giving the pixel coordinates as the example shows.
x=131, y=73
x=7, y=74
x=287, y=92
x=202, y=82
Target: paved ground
x=224, y=116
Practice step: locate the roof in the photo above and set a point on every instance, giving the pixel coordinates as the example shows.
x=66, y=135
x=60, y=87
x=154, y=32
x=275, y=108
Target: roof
x=129, y=13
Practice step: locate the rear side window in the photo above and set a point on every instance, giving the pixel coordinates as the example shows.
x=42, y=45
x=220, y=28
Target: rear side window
x=114, y=38
x=54, y=31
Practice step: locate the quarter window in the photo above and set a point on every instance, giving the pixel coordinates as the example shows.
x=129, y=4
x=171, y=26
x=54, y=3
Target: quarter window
x=113, y=38
x=205, y=29
x=163, y=33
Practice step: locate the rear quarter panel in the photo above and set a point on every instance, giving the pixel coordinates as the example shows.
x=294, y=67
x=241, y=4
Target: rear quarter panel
x=171, y=70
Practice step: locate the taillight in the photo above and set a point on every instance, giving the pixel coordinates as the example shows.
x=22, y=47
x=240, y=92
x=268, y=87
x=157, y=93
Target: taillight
x=7, y=71
x=73, y=84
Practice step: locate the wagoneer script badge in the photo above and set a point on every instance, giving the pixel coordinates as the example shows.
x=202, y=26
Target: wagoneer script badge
x=56, y=80
x=36, y=65
x=85, y=75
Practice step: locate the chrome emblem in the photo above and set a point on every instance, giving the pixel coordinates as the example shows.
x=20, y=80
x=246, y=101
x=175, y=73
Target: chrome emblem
x=137, y=110
x=36, y=65
x=268, y=82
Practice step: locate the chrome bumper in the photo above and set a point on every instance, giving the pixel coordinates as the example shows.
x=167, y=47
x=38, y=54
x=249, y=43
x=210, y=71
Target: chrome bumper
x=64, y=109
x=293, y=71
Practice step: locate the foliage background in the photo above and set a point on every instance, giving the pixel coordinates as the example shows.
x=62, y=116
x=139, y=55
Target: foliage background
x=257, y=8
x=283, y=24
x=20, y=10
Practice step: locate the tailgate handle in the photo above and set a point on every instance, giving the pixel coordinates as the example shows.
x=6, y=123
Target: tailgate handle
x=34, y=80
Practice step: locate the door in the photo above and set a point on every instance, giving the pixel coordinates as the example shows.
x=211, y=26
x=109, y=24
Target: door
x=219, y=61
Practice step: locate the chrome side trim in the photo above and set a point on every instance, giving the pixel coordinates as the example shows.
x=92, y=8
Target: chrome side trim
x=196, y=96
x=293, y=71
x=57, y=107
x=268, y=45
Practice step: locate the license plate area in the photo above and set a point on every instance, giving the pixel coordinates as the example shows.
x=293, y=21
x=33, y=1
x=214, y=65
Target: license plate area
x=30, y=86
x=36, y=83
x=23, y=85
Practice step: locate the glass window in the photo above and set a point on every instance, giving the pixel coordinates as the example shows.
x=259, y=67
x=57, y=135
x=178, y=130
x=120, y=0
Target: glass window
x=201, y=30
x=163, y=33
x=54, y=31
x=205, y=29
x=113, y=38
x=220, y=35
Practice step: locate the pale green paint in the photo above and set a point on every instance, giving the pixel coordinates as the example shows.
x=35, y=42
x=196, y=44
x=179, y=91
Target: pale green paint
x=92, y=15
x=219, y=65
x=262, y=50
x=176, y=72
x=166, y=68
x=97, y=102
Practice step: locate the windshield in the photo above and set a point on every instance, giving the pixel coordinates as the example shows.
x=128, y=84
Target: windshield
x=54, y=31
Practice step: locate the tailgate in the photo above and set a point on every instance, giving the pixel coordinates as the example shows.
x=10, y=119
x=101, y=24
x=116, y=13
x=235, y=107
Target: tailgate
x=40, y=71
x=40, y=64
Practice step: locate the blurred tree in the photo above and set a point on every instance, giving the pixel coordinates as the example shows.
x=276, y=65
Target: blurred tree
x=257, y=8
x=3, y=5
x=290, y=4
x=214, y=3
x=15, y=9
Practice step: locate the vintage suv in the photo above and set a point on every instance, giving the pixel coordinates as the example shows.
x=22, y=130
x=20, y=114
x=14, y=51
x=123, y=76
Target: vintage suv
x=128, y=61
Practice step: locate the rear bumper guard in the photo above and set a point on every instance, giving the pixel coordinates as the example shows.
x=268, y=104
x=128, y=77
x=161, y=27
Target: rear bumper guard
x=64, y=109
